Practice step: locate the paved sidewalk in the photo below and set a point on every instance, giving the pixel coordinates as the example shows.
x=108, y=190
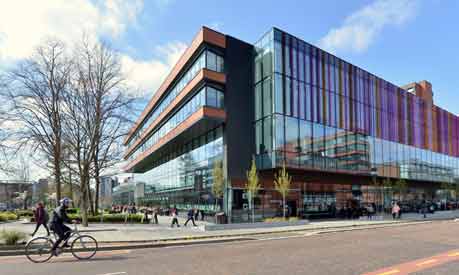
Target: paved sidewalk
x=163, y=231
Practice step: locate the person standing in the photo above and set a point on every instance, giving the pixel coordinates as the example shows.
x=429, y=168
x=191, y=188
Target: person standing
x=202, y=214
x=196, y=214
x=399, y=215
x=155, y=215
x=370, y=212
x=395, y=211
x=41, y=218
x=174, y=218
x=190, y=217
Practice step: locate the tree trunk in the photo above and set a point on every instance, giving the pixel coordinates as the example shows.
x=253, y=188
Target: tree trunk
x=90, y=199
x=283, y=206
x=84, y=200
x=97, y=177
x=57, y=174
x=253, y=208
x=71, y=188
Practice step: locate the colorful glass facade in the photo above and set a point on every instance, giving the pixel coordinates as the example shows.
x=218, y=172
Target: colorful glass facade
x=316, y=111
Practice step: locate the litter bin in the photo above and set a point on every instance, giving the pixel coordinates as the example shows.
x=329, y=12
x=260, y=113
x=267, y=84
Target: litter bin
x=220, y=217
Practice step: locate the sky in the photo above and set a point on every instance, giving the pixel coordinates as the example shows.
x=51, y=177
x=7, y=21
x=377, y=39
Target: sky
x=401, y=41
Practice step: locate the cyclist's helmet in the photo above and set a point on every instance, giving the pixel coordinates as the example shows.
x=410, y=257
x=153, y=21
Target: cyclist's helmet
x=65, y=201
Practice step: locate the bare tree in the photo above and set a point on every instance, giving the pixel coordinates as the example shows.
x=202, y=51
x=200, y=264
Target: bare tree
x=33, y=92
x=96, y=118
x=112, y=107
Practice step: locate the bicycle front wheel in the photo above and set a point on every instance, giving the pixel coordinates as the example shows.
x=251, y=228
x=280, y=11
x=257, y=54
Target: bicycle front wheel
x=84, y=247
x=38, y=250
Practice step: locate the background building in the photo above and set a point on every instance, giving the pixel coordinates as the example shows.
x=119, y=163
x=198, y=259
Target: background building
x=285, y=101
x=9, y=193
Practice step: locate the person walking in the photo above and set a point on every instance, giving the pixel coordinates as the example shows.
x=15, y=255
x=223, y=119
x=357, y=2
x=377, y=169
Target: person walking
x=190, y=216
x=41, y=218
x=395, y=211
x=174, y=218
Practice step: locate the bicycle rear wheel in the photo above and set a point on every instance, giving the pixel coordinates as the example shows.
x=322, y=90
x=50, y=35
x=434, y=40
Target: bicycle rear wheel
x=38, y=250
x=84, y=247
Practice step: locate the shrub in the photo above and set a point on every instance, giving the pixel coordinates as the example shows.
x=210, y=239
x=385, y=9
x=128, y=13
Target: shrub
x=73, y=211
x=24, y=213
x=110, y=218
x=8, y=216
x=12, y=237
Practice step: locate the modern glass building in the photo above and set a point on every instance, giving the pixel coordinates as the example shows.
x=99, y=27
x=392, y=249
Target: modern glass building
x=337, y=128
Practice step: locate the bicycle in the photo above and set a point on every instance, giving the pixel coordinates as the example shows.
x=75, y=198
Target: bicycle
x=83, y=247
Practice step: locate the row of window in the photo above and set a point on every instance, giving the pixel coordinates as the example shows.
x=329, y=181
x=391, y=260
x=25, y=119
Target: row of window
x=188, y=166
x=207, y=96
x=306, y=144
x=309, y=83
x=408, y=125
x=208, y=60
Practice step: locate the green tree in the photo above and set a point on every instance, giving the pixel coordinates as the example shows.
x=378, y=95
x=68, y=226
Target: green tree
x=386, y=185
x=218, y=184
x=282, y=183
x=252, y=186
x=400, y=187
x=448, y=188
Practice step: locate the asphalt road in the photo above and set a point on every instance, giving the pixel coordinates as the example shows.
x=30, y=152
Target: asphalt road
x=425, y=249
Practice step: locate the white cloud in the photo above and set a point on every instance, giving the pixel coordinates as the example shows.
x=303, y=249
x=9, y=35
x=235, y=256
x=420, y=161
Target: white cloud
x=24, y=24
x=362, y=27
x=147, y=75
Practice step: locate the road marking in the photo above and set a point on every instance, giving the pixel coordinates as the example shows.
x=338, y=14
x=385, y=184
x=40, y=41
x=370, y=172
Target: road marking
x=427, y=262
x=114, y=273
x=390, y=272
x=454, y=254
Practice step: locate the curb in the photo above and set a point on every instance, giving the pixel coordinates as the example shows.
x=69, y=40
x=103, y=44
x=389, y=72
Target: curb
x=183, y=241
x=142, y=246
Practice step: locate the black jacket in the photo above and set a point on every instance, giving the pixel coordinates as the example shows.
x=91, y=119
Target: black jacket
x=60, y=216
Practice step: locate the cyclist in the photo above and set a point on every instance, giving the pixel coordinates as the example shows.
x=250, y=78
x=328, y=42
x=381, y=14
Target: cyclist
x=57, y=224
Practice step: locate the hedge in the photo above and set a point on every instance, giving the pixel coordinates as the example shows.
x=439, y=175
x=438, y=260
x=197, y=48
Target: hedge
x=8, y=216
x=24, y=213
x=110, y=218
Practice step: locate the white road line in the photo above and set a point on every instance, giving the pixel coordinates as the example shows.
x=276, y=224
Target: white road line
x=114, y=273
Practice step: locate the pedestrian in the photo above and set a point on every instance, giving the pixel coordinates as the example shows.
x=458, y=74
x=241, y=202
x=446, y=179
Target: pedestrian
x=370, y=211
x=190, y=216
x=196, y=214
x=395, y=211
x=174, y=218
x=202, y=214
x=399, y=216
x=155, y=214
x=145, y=216
x=41, y=218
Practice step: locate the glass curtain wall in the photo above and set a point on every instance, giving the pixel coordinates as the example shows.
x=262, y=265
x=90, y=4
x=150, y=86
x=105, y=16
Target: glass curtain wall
x=207, y=96
x=184, y=177
x=316, y=111
x=207, y=59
